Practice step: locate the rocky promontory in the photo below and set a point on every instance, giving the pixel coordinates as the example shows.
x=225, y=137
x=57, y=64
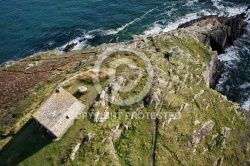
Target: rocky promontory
x=149, y=102
x=224, y=32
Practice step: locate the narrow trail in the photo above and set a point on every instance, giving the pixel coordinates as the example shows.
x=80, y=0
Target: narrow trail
x=157, y=120
x=155, y=141
x=156, y=129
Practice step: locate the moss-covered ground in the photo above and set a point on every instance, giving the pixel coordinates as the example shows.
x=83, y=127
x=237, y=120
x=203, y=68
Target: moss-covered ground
x=186, y=95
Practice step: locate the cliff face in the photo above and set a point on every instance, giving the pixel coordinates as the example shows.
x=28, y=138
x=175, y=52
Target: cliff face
x=223, y=33
x=150, y=103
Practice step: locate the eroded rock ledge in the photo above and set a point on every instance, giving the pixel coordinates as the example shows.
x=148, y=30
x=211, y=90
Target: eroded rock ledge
x=224, y=32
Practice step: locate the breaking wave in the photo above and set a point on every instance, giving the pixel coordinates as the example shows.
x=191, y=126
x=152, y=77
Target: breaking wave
x=235, y=82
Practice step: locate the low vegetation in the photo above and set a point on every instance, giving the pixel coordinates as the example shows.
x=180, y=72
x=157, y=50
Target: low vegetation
x=127, y=138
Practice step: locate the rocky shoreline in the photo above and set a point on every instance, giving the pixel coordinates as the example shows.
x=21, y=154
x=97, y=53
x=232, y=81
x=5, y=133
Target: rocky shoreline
x=185, y=65
x=225, y=31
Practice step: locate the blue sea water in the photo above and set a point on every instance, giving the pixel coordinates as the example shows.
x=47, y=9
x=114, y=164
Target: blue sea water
x=30, y=26
x=235, y=82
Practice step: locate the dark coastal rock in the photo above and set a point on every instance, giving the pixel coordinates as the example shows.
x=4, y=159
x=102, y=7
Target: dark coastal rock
x=69, y=47
x=224, y=32
x=248, y=7
x=230, y=30
x=198, y=20
x=221, y=38
x=217, y=68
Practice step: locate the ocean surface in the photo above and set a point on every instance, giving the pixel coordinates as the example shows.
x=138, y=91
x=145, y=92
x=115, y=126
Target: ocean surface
x=31, y=26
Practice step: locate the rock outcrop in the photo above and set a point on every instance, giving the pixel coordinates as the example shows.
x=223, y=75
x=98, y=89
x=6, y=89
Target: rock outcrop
x=248, y=8
x=213, y=72
x=69, y=47
x=177, y=108
x=221, y=38
x=230, y=30
x=205, y=129
x=225, y=30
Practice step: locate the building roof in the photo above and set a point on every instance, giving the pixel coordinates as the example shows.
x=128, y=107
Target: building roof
x=59, y=111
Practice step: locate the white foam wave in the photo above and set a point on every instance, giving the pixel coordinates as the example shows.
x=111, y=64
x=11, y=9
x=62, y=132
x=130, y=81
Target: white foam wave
x=230, y=56
x=51, y=43
x=246, y=104
x=115, y=31
x=157, y=28
x=190, y=3
x=217, y=4
x=234, y=10
x=220, y=86
x=171, y=11
x=245, y=85
x=227, y=10
x=80, y=42
x=186, y=18
x=168, y=12
x=221, y=11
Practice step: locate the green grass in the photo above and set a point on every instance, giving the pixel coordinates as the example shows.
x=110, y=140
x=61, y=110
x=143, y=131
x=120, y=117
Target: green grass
x=23, y=145
x=134, y=147
x=135, y=144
